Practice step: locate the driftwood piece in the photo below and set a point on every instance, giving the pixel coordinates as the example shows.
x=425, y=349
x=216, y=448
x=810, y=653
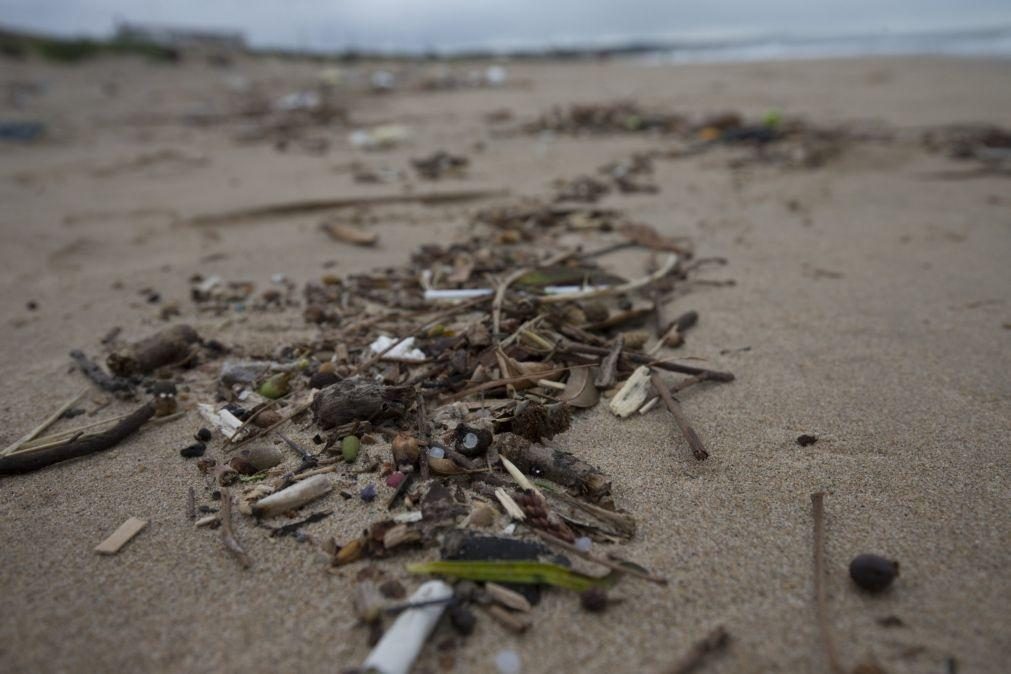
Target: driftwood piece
x=355, y=399
x=29, y=460
x=698, y=449
x=167, y=347
x=102, y=379
x=553, y=464
x=121, y=536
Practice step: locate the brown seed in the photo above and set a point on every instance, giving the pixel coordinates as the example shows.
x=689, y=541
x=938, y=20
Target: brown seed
x=593, y=600
x=405, y=449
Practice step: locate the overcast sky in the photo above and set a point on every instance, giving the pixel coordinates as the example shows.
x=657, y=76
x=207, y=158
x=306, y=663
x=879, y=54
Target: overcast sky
x=420, y=24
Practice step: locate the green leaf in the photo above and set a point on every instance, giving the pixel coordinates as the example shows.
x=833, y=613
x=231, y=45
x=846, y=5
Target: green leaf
x=528, y=573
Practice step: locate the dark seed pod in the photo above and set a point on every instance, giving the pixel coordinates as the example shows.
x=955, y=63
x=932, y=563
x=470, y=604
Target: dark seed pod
x=193, y=451
x=593, y=600
x=462, y=619
x=873, y=572
x=323, y=379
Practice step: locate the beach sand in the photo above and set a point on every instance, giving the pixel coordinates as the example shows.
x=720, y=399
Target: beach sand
x=872, y=308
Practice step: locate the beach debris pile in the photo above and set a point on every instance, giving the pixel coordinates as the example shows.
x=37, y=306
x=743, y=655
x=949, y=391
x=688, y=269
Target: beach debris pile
x=774, y=139
x=431, y=394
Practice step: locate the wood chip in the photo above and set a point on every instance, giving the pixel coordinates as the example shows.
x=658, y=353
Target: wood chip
x=633, y=393
x=121, y=536
x=506, y=597
x=345, y=233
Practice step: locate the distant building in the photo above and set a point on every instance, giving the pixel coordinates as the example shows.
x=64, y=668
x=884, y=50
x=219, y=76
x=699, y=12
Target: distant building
x=181, y=38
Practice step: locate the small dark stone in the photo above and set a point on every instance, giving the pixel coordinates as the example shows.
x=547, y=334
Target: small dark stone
x=462, y=619
x=318, y=439
x=240, y=412
x=347, y=495
x=203, y=435
x=193, y=451
x=593, y=600
x=72, y=412
x=32, y=305
x=216, y=495
x=873, y=572
x=806, y=440
x=323, y=379
x=369, y=493
x=393, y=589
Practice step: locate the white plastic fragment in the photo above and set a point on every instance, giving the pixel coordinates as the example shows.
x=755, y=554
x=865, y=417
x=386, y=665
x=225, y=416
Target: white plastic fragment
x=584, y=543
x=295, y=496
x=632, y=394
x=408, y=517
x=223, y=420
x=398, y=649
x=379, y=137
x=402, y=351
x=456, y=293
x=508, y=662
x=437, y=452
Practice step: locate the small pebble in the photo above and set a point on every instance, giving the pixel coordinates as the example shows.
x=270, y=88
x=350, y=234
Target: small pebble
x=873, y=573
x=395, y=479
x=593, y=600
x=32, y=305
x=462, y=619
x=806, y=440
x=203, y=435
x=436, y=452
x=369, y=493
x=193, y=451
x=508, y=662
x=392, y=589
x=584, y=543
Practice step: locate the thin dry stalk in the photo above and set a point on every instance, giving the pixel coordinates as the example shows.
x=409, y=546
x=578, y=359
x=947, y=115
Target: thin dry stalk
x=46, y=423
x=821, y=603
x=698, y=449
x=227, y=535
x=713, y=642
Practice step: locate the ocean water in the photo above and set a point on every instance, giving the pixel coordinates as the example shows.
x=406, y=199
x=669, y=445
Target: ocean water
x=990, y=43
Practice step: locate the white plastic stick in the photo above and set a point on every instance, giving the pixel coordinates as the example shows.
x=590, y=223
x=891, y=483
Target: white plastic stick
x=295, y=496
x=398, y=649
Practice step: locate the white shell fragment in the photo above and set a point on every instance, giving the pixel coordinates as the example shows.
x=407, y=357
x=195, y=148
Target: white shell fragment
x=397, y=650
x=402, y=351
x=295, y=496
x=633, y=393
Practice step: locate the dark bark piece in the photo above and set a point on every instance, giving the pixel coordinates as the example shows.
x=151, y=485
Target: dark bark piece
x=100, y=377
x=167, y=347
x=609, y=366
x=28, y=461
x=553, y=464
x=535, y=422
x=355, y=399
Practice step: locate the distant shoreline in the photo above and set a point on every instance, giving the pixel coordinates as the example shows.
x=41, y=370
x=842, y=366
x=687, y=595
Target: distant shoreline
x=989, y=42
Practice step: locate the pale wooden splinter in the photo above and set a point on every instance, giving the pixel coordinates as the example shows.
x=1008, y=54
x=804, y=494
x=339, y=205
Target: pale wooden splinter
x=121, y=536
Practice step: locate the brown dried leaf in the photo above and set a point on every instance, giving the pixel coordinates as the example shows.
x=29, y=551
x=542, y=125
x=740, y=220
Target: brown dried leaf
x=579, y=389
